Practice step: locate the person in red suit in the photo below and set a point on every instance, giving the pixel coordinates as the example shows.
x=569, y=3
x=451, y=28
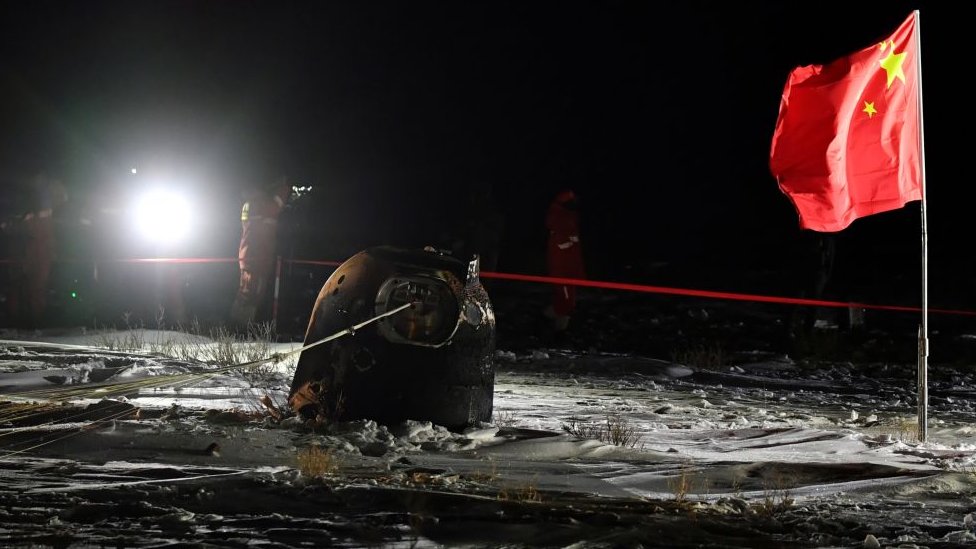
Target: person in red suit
x=256, y=254
x=564, y=255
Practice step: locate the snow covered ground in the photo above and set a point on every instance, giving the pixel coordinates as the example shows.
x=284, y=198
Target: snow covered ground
x=761, y=451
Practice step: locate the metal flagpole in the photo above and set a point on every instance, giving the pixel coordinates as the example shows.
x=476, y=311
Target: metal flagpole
x=274, y=303
x=923, y=330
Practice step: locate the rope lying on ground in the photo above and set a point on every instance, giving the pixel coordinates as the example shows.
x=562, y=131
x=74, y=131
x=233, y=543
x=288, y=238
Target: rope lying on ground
x=102, y=390
x=109, y=389
x=117, y=388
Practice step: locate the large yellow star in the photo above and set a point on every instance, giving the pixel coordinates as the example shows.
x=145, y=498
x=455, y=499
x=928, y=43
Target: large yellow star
x=892, y=65
x=869, y=108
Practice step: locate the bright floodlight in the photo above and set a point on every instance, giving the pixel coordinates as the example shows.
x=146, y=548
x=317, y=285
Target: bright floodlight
x=162, y=216
x=134, y=171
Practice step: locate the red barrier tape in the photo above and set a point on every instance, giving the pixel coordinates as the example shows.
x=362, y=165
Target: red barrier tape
x=135, y=260
x=713, y=295
x=177, y=260
x=311, y=262
x=685, y=292
x=588, y=284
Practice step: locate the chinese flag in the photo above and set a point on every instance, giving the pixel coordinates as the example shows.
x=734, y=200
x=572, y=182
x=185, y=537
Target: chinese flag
x=846, y=143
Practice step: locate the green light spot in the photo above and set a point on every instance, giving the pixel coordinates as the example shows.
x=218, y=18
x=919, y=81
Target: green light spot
x=74, y=295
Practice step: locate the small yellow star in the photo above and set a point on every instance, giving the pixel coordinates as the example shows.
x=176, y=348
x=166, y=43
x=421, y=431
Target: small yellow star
x=869, y=108
x=892, y=65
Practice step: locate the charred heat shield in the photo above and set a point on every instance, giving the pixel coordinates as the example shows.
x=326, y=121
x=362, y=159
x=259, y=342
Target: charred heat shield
x=432, y=361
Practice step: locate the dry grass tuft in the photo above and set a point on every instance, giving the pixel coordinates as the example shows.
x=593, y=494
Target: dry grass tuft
x=505, y=419
x=484, y=477
x=621, y=432
x=615, y=430
x=681, y=485
x=314, y=462
x=525, y=493
x=906, y=430
x=228, y=348
x=777, y=496
x=897, y=430
x=702, y=355
x=581, y=429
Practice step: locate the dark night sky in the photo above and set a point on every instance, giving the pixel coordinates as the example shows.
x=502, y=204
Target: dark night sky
x=659, y=113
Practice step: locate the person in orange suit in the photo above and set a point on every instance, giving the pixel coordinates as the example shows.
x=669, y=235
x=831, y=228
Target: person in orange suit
x=564, y=255
x=256, y=254
x=39, y=247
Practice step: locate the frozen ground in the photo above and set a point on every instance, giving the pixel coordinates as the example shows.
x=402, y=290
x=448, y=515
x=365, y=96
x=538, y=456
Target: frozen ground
x=758, y=451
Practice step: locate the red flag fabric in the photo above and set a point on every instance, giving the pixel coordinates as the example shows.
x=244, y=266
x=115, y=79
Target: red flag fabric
x=846, y=143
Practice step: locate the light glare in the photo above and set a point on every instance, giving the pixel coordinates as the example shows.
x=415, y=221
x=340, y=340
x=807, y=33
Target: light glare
x=162, y=216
